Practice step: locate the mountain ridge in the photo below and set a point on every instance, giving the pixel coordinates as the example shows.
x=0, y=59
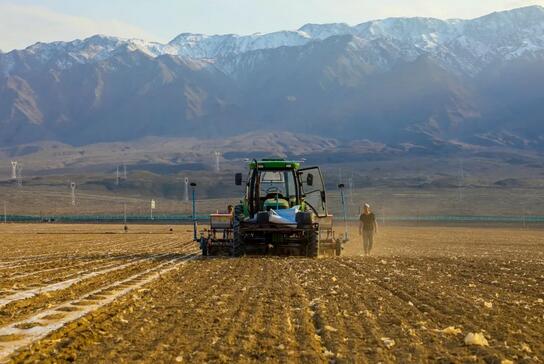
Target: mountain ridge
x=203, y=46
x=420, y=81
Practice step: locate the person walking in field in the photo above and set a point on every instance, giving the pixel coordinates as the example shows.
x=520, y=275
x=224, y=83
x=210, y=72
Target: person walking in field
x=368, y=227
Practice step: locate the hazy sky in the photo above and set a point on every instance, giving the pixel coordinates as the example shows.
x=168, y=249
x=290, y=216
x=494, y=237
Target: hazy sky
x=24, y=22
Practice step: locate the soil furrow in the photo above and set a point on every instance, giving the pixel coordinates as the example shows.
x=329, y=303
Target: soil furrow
x=43, y=327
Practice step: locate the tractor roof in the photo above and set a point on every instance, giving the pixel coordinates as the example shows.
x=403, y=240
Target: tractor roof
x=274, y=164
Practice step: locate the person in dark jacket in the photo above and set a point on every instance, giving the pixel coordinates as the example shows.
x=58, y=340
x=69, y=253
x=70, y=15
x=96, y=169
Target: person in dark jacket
x=368, y=227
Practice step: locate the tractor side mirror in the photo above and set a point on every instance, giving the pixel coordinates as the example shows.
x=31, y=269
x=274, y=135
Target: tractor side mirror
x=238, y=179
x=310, y=179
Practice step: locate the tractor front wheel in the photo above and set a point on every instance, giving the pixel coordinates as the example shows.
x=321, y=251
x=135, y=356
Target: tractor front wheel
x=204, y=246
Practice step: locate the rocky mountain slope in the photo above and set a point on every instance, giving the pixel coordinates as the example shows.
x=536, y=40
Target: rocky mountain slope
x=402, y=81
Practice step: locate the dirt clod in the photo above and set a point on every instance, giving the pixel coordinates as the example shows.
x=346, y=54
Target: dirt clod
x=476, y=339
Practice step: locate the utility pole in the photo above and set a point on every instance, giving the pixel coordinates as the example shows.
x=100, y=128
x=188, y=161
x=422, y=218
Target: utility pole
x=73, y=187
x=186, y=197
x=217, y=156
x=350, y=202
x=19, y=173
x=193, y=186
x=117, y=177
x=341, y=187
x=14, y=170
x=461, y=179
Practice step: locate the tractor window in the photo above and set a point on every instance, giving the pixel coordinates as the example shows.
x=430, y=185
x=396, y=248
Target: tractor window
x=278, y=184
x=272, y=177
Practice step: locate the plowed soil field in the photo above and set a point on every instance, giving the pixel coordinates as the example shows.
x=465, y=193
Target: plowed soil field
x=95, y=294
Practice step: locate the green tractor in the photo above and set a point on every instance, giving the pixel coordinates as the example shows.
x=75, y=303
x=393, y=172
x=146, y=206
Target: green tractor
x=284, y=212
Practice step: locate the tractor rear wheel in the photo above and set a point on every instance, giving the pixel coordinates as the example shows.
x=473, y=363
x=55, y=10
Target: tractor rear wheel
x=338, y=248
x=263, y=218
x=237, y=241
x=304, y=219
x=312, y=249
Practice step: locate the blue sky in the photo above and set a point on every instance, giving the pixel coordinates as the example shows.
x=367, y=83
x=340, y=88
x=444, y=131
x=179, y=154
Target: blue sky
x=24, y=22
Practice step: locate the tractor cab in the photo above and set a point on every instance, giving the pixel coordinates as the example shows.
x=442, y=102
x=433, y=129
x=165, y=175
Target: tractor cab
x=277, y=190
x=277, y=184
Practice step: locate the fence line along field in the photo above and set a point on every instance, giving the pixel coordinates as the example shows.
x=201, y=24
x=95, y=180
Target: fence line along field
x=93, y=293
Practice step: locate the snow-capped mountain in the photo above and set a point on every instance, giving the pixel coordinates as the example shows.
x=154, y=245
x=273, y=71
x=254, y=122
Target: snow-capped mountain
x=416, y=80
x=461, y=45
x=221, y=46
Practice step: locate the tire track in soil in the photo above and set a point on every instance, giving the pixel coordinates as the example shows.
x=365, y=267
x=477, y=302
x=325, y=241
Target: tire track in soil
x=264, y=328
x=261, y=327
x=336, y=309
x=260, y=319
x=235, y=302
x=245, y=306
x=39, y=326
x=223, y=303
x=328, y=318
x=306, y=344
x=196, y=313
